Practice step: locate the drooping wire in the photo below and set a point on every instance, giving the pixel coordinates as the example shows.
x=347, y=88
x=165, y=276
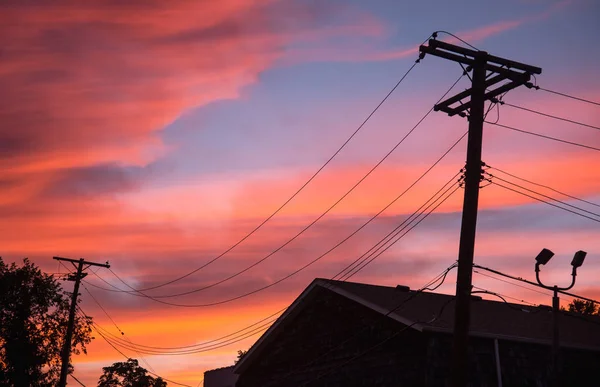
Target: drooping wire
x=501, y=296
x=352, y=266
x=234, y=275
x=549, y=115
x=77, y=380
x=138, y=348
x=542, y=195
x=328, y=251
x=536, y=87
x=127, y=357
x=293, y=195
x=543, y=136
x=455, y=37
x=197, y=349
x=116, y=326
x=261, y=323
x=545, y=201
x=543, y=186
x=405, y=230
x=510, y=283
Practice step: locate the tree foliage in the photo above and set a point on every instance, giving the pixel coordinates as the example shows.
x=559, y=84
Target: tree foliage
x=240, y=355
x=584, y=307
x=128, y=374
x=34, y=312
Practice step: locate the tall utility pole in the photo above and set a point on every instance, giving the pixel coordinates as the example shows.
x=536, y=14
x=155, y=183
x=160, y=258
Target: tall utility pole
x=488, y=71
x=77, y=277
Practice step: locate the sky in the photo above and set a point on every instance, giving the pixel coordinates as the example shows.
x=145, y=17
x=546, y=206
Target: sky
x=156, y=135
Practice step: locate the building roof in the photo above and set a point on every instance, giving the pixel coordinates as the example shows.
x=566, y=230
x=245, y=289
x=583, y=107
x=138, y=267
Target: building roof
x=434, y=312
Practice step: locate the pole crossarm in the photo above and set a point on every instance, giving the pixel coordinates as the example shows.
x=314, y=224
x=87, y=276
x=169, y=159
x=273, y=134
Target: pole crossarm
x=497, y=70
x=105, y=265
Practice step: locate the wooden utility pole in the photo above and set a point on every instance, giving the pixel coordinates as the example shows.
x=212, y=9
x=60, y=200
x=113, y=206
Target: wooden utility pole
x=488, y=71
x=77, y=277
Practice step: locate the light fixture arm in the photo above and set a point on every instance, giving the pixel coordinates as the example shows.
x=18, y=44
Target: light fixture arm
x=537, y=277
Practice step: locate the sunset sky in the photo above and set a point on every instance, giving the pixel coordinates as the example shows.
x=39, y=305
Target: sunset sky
x=157, y=134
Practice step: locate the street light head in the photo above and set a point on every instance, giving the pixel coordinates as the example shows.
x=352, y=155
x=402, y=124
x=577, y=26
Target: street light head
x=544, y=256
x=578, y=259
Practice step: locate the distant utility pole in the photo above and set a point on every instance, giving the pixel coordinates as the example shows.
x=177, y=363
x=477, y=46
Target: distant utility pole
x=488, y=71
x=77, y=277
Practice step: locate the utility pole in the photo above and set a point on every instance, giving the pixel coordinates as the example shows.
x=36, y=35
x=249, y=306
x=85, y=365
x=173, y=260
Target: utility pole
x=488, y=71
x=77, y=277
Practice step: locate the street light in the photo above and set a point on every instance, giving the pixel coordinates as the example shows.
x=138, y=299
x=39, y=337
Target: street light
x=542, y=258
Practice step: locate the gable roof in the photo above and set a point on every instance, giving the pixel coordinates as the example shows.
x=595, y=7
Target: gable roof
x=421, y=311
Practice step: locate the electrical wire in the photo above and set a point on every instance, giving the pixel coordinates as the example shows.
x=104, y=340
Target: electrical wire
x=127, y=357
x=406, y=230
x=455, y=37
x=310, y=263
x=77, y=380
x=543, y=136
x=543, y=195
x=326, y=252
x=502, y=296
x=384, y=240
x=218, y=341
x=549, y=115
x=510, y=283
x=536, y=87
x=293, y=195
x=143, y=347
x=200, y=347
x=134, y=347
x=232, y=276
x=543, y=186
x=544, y=201
x=116, y=326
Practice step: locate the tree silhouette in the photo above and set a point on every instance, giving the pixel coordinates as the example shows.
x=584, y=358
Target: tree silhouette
x=583, y=307
x=34, y=312
x=240, y=355
x=128, y=374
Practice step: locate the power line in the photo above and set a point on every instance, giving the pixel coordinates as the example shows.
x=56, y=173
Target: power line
x=543, y=136
x=503, y=297
x=434, y=35
x=261, y=328
x=116, y=326
x=136, y=347
x=367, y=261
x=544, y=186
x=312, y=262
x=543, y=195
x=356, y=271
x=315, y=220
x=295, y=193
x=549, y=115
x=269, y=319
x=536, y=87
x=544, y=201
x=127, y=357
x=318, y=258
x=407, y=220
x=77, y=380
x=511, y=283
